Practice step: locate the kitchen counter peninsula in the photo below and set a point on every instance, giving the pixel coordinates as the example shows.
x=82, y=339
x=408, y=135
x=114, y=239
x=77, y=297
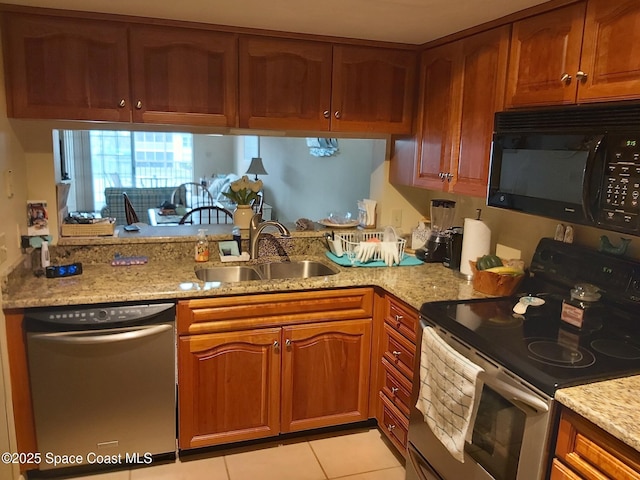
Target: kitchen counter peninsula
x=168, y=279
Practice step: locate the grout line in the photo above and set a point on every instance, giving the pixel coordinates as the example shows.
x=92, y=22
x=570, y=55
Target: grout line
x=324, y=472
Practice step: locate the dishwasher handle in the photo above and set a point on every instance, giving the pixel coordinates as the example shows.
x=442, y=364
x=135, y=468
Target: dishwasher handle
x=94, y=337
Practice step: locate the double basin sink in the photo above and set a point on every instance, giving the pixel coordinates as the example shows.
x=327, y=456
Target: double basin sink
x=265, y=271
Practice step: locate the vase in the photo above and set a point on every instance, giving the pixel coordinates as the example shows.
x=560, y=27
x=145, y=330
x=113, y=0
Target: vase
x=242, y=216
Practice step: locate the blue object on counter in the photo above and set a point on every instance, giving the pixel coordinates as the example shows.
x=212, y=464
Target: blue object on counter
x=407, y=261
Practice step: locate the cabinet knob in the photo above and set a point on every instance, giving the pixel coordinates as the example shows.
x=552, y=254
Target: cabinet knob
x=326, y=114
x=580, y=75
x=565, y=78
x=391, y=427
x=396, y=353
x=337, y=114
x=276, y=344
x=394, y=390
x=138, y=104
x=122, y=103
x=449, y=176
x=288, y=342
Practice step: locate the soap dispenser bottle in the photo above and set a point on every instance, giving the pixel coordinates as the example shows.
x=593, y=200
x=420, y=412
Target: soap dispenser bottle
x=202, y=247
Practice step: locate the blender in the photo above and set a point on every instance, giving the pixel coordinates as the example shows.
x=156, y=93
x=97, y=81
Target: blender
x=435, y=250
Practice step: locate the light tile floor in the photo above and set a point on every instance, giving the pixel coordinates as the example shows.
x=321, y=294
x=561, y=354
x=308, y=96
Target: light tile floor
x=351, y=455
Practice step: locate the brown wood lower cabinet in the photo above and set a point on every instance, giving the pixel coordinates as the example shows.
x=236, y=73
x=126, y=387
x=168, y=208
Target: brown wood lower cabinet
x=585, y=451
x=286, y=376
x=397, y=346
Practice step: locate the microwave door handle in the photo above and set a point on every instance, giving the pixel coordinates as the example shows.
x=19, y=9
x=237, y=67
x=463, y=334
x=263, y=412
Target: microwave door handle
x=595, y=155
x=517, y=394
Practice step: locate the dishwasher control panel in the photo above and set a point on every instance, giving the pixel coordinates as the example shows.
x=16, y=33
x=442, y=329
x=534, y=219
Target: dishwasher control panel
x=92, y=316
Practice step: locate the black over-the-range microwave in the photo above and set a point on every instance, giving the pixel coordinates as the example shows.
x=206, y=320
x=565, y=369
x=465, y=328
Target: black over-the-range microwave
x=578, y=164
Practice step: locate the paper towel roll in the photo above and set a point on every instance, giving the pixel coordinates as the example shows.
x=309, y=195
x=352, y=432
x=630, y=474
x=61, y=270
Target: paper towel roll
x=476, y=242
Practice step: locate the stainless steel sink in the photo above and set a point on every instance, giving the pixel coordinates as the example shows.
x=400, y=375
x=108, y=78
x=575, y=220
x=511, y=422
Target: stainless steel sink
x=265, y=271
x=227, y=274
x=301, y=269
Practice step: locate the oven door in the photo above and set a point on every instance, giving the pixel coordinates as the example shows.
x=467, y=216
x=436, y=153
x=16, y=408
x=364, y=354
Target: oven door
x=510, y=434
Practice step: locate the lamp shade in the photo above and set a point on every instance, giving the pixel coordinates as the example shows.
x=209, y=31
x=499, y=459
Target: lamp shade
x=256, y=167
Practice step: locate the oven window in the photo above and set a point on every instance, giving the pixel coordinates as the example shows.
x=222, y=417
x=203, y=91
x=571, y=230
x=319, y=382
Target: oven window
x=497, y=435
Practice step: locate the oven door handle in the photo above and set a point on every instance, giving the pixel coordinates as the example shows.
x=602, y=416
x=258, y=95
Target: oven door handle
x=514, y=393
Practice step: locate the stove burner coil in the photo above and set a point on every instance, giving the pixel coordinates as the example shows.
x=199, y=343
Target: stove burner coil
x=559, y=355
x=616, y=349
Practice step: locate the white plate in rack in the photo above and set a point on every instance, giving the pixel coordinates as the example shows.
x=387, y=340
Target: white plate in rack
x=328, y=223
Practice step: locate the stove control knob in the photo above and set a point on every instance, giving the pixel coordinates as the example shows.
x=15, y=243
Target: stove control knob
x=102, y=315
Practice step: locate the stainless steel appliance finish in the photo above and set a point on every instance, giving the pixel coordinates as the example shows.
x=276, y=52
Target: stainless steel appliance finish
x=577, y=164
x=103, y=381
x=527, y=358
x=510, y=435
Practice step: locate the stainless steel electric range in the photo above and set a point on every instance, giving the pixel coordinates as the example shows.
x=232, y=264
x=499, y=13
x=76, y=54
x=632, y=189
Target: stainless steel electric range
x=526, y=358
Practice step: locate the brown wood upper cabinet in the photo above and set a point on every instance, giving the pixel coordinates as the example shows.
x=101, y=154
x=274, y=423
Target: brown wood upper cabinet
x=183, y=76
x=586, y=52
x=66, y=68
x=78, y=69
x=462, y=86
x=296, y=84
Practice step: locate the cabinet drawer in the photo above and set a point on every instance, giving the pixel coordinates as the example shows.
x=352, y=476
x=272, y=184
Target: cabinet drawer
x=402, y=318
x=593, y=453
x=398, y=351
x=232, y=313
x=396, y=387
x=559, y=471
x=394, y=424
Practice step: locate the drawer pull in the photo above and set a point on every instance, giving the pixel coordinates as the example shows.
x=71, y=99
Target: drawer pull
x=394, y=390
x=396, y=353
x=391, y=427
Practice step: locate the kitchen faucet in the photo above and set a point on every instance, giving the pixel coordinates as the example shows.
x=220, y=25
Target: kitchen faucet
x=256, y=226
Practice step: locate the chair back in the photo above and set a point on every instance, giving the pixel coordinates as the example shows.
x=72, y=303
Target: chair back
x=209, y=214
x=191, y=195
x=129, y=211
x=256, y=204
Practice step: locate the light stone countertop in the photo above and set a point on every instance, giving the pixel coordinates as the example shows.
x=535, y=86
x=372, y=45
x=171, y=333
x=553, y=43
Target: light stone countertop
x=175, y=279
x=613, y=405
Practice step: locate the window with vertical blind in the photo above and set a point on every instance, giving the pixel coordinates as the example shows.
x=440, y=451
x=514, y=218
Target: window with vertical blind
x=111, y=158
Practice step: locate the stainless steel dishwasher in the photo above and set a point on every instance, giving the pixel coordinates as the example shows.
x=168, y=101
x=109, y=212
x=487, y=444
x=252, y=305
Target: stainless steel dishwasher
x=103, y=383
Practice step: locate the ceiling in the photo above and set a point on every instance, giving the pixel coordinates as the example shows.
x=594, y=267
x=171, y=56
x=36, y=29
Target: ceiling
x=403, y=21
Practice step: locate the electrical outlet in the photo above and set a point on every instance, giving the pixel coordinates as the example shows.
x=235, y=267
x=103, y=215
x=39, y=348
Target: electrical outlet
x=396, y=217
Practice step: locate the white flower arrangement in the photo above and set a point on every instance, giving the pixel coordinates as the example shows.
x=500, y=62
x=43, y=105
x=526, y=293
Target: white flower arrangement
x=243, y=191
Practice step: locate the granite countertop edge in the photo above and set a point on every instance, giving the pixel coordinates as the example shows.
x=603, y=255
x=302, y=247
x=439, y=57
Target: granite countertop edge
x=613, y=405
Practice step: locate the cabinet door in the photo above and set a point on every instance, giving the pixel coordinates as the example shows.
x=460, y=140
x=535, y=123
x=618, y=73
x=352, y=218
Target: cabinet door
x=183, y=76
x=64, y=68
x=439, y=115
x=544, y=49
x=228, y=387
x=611, y=51
x=284, y=84
x=372, y=89
x=484, y=72
x=325, y=374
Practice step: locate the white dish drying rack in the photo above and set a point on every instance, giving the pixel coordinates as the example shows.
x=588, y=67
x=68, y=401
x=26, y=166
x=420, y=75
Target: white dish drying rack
x=348, y=243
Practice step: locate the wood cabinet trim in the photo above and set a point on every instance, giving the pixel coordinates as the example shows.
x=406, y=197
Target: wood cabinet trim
x=592, y=452
x=20, y=388
x=224, y=313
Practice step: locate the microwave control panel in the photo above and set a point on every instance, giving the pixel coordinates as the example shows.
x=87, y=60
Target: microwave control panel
x=620, y=197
